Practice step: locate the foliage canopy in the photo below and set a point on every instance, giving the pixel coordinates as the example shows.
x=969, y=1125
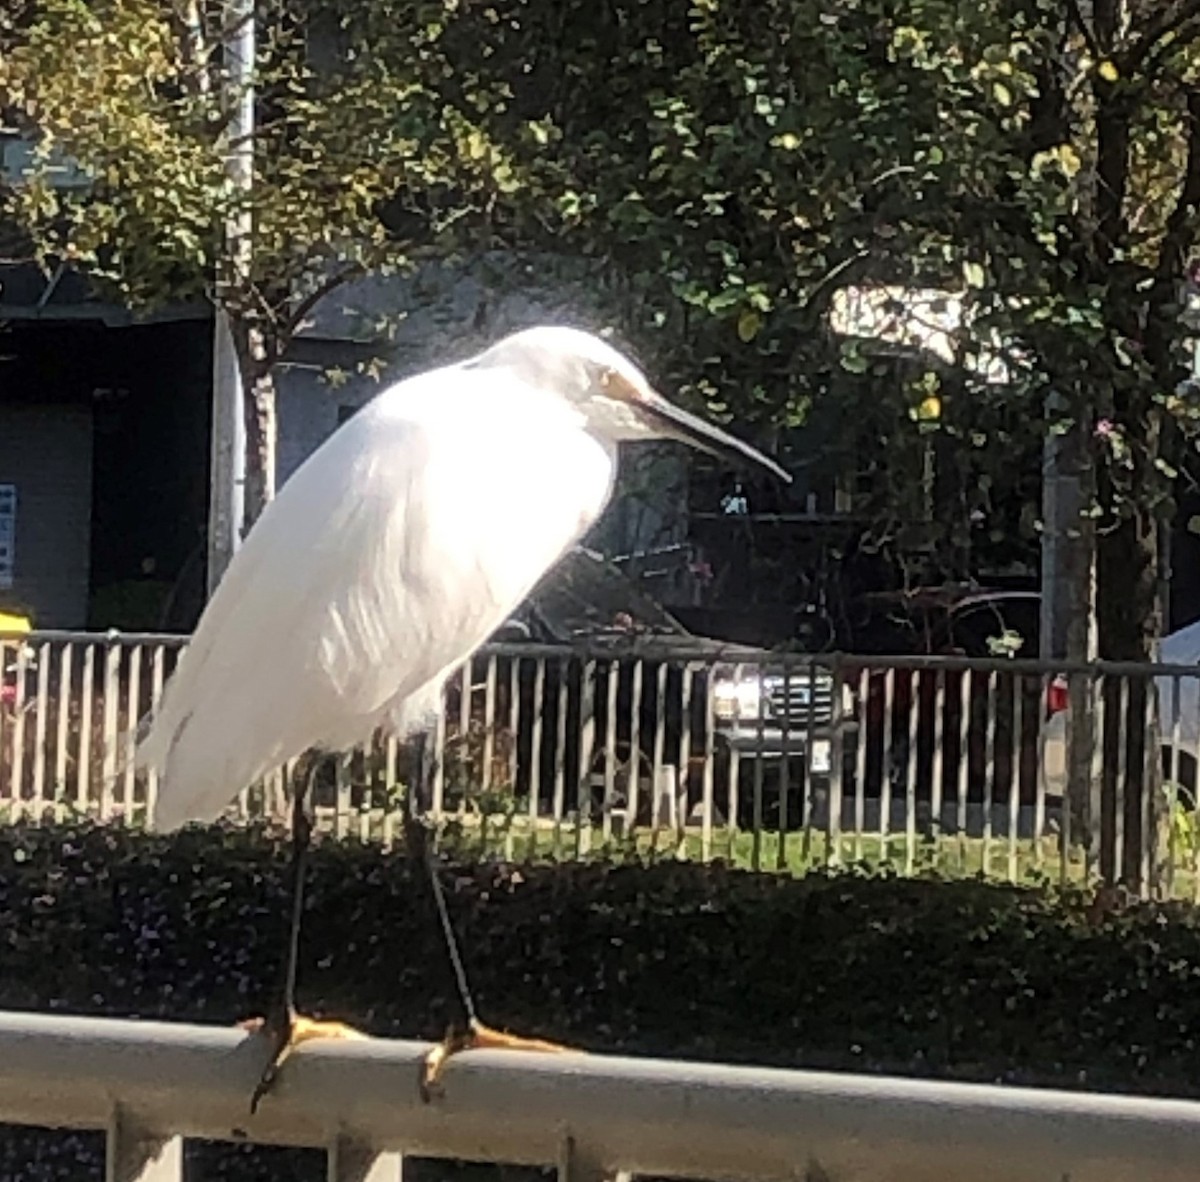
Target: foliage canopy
x=1034, y=164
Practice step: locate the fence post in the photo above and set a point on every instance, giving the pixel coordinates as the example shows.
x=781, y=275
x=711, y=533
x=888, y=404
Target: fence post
x=575, y=1164
x=350, y=1160
x=132, y=1155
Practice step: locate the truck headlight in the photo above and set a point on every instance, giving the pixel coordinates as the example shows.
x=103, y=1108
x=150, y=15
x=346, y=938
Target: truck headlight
x=739, y=699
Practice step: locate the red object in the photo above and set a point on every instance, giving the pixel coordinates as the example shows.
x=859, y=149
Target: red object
x=1057, y=696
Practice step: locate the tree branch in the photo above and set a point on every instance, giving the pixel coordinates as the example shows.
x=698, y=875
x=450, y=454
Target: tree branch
x=1169, y=18
x=328, y=285
x=1075, y=15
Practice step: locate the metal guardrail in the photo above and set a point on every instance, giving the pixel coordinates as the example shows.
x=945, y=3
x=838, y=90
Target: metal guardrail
x=150, y=1083
x=775, y=760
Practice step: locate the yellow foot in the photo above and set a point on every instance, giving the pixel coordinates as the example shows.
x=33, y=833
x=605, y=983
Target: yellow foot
x=294, y=1030
x=477, y=1036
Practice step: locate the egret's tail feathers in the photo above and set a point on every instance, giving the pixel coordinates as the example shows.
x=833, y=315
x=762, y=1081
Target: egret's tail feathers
x=203, y=758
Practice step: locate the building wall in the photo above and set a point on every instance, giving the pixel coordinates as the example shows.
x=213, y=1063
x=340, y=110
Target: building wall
x=46, y=452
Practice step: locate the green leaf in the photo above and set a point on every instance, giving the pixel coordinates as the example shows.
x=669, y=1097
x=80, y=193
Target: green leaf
x=748, y=325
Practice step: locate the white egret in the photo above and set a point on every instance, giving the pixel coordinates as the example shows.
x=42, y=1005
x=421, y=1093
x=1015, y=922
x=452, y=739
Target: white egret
x=394, y=551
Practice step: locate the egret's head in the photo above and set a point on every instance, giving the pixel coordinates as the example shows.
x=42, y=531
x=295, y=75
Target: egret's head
x=618, y=400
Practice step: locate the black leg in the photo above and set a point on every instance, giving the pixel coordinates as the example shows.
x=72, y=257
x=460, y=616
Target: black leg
x=301, y=840
x=468, y=1031
x=418, y=835
x=281, y=1022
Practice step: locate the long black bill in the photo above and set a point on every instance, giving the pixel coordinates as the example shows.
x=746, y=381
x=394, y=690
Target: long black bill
x=688, y=428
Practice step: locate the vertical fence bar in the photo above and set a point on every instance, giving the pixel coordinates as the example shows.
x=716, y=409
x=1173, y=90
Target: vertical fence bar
x=757, y=773
x=837, y=763
x=658, y=749
x=789, y=693
x=560, y=752
x=735, y=803
x=707, y=788
x=910, y=771
x=391, y=759
x=684, y=798
x=344, y=805
x=537, y=708
x=1044, y=682
x=1180, y=809
x=807, y=787
x=584, y=757
x=6, y=720
x=39, y=729
x=965, y=685
x=489, y=725
x=112, y=690
x=512, y=761
x=1075, y=804
x=514, y=721
x=1151, y=787
x=1120, y=795
x=887, y=761
x=20, y=712
x=157, y=680
x=862, y=687
x=362, y=763
x=132, y=700
x=62, y=721
x=635, y=748
x=465, y=708
x=937, y=763
x=1016, y=763
x=612, y=683
x=991, y=698
x=1094, y=822
x=86, y=722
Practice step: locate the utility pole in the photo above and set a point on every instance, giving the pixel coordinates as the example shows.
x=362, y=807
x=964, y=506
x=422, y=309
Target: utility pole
x=227, y=474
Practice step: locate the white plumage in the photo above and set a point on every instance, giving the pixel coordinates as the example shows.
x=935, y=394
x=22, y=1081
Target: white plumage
x=392, y=553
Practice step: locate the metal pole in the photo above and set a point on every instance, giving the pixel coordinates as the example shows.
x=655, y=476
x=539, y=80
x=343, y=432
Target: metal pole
x=657, y=1117
x=228, y=459
x=227, y=475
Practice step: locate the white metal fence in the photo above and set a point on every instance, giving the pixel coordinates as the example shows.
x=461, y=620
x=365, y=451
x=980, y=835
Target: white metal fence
x=1003, y=767
x=150, y=1083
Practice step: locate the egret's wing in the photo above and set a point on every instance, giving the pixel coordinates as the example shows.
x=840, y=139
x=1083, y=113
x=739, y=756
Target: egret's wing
x=392, y=553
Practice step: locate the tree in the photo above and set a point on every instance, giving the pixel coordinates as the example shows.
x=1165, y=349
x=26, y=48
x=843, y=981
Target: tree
x=1040, y=162
x=1036, y=161
x=360, y=164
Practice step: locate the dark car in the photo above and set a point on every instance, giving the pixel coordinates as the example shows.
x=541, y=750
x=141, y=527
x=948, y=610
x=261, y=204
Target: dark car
x=983, y=727
x=627, y=722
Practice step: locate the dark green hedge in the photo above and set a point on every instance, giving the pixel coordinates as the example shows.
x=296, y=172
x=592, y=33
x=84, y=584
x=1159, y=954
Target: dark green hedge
x=954, y=979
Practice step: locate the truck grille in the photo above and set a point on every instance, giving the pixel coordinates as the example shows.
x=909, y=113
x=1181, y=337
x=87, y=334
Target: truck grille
x=803, y=699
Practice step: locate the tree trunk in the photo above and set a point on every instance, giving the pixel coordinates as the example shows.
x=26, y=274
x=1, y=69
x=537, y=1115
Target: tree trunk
x=258, y=406
x=1130, y=625
x=1129, y=610
x=261, y=428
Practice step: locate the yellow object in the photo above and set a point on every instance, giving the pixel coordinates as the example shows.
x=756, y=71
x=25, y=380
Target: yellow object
x=14, y=624
x=1108, y=71
x=930, y=409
